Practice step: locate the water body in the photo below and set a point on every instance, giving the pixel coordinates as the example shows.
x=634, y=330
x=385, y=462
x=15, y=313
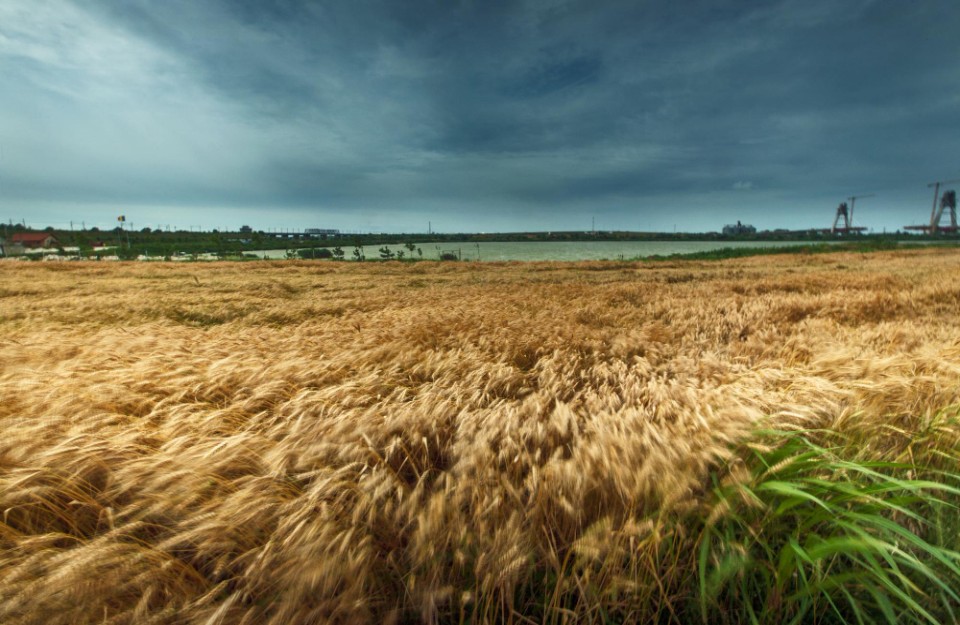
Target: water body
x=552, y=250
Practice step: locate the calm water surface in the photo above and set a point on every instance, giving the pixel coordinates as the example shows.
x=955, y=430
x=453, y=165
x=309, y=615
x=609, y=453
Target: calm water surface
x=554, y=250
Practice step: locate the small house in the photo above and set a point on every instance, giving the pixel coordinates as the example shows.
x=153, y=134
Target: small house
x=35, y=240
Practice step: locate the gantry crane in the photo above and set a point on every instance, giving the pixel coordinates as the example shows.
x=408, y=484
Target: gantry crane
x=842, y=211
x=948, y=201
x=845, y=212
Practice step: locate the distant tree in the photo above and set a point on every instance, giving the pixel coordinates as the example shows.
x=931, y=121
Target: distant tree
x=246, y=229
x=399, y=254
x=410, y=247
x=314, y=253
x=146, y=230
x=358, y=253
x=338, y=253
x=419, y=252
x=385, y=253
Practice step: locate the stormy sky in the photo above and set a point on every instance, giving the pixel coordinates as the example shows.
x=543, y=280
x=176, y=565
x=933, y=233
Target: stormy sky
x=378, y=115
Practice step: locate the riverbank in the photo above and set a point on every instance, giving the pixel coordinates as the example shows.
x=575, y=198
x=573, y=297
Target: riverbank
x=532, y=252
x=146, y=243
x=861, y=247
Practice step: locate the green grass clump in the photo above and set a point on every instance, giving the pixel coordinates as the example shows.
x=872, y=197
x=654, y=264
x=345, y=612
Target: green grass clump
x=808, y=533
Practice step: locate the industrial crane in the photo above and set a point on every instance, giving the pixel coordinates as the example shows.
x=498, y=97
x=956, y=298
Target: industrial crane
x=842, y=211
x=949, y=201
x=853, y=200
x=845, y=211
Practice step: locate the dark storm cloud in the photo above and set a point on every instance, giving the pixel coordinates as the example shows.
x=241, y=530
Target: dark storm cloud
x=493, y=114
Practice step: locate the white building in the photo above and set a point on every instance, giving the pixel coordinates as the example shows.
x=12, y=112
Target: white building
x=739, y=228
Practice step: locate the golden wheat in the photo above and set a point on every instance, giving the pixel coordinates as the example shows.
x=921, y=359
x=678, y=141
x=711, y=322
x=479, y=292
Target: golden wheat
x=334, y=442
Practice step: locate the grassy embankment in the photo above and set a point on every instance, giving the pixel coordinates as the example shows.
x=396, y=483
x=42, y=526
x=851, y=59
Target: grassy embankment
x=860, y=247
x=771, y=439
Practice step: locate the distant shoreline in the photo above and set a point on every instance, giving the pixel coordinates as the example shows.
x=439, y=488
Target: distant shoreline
x=490, y=252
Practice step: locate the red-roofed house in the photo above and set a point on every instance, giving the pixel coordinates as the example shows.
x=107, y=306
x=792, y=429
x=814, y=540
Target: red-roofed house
x=34, y=240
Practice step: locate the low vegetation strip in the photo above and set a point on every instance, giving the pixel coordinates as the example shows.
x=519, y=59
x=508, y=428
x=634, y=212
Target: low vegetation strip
x=862, y=247
x=755, y=440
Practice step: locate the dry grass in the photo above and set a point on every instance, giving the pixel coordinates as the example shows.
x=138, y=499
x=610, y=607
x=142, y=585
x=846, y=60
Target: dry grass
x=307, y=443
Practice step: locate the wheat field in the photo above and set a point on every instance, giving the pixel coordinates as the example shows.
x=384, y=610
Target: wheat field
x=293, y=443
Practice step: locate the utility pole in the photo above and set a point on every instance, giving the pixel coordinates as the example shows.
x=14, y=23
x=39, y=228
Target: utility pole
x=935, y=214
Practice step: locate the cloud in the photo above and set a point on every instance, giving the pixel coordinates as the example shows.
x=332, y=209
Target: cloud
x=484, y=114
